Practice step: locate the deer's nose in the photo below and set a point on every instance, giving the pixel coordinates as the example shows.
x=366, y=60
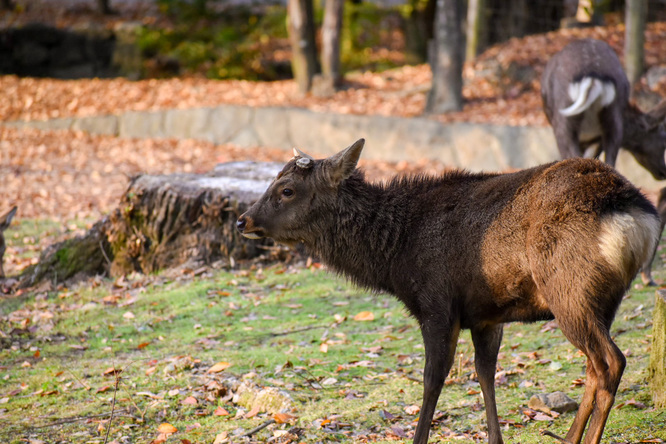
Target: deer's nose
x=241, y=223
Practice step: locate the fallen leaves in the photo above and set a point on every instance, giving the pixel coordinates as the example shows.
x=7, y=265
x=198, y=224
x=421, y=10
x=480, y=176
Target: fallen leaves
x=220, y=366
x=364, y=316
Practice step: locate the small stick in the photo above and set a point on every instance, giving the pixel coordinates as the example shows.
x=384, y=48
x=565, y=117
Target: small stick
x=258, y=428
x=552, y=435
x=81, y=418
x=101, y=247
x=253, y=431
x=113, y=406
x=86, y=386
x=134, y=403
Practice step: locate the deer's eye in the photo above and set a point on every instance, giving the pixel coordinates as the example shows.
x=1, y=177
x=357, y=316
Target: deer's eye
x=287, y=192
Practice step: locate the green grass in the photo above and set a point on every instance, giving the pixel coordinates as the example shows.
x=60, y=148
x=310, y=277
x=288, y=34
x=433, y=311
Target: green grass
x=165, y=331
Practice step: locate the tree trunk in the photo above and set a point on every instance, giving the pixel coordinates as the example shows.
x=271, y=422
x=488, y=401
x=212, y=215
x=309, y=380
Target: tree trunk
x=419, y=30
x=585, y=11
x=657, y=369
x=300, y=25
x=7, y=5
x=163, y=222
x=77, y=258
x=446, y=59
x=104, y=7
x=635, y=16
x=476, y=26
x=330, y=41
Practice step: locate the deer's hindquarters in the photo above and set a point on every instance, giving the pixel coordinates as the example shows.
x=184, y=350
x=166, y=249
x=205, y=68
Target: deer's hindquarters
x=627, y=240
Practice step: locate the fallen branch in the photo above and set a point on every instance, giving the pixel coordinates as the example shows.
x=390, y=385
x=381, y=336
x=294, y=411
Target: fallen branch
x=124, y=412
x=113, y=405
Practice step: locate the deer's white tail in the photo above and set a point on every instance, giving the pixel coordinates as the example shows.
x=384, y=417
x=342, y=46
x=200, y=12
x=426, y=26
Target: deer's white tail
x=586, y=92
x=628, y=241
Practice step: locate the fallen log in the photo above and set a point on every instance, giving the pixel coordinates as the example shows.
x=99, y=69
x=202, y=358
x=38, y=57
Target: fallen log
x=166, y=221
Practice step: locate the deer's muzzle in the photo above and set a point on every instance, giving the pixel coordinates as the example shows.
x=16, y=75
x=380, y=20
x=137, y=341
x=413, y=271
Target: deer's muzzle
x=245, y=226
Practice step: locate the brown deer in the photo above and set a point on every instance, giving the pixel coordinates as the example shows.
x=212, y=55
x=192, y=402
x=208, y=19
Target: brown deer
x=5, y=222
x=585, y=96
x=474, y=251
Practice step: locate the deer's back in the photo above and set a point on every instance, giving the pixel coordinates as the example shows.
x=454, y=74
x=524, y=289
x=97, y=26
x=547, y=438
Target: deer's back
x=492, y=240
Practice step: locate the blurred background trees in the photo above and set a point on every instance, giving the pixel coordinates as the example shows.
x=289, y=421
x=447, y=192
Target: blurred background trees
x=318, y=41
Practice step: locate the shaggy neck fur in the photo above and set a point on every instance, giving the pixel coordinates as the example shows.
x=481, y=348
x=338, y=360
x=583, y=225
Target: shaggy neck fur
x=363, y=233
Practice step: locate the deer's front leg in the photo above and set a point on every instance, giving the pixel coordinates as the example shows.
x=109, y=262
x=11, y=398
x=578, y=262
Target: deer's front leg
x=486, y=345
x=440, y=338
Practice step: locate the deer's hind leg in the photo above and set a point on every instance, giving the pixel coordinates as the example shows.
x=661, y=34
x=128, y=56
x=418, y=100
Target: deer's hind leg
x=585, y=321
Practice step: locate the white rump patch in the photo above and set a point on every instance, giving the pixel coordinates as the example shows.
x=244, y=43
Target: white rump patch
x=589, y=92
x=627, y=240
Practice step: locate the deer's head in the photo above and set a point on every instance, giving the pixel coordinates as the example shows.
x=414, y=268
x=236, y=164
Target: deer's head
x=301, y=197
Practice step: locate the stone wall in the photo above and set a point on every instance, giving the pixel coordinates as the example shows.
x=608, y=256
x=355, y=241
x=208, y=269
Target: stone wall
x=475, y=147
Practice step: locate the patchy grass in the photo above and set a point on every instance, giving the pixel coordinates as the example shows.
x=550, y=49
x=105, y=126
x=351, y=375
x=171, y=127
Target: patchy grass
x=142, y=347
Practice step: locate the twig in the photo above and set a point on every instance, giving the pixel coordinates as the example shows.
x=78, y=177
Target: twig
x=258, y=428
x=101, y=246
x=552, y=435
x=77, y=419
x=113, y=405
x=251, y=432
x=143, y=414
x=412, y=378
x=297, y=330
x=87, y=387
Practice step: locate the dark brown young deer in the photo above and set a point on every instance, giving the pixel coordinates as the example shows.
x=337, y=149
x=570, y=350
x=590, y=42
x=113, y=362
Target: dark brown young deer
x=5, y=221
x=473, y=251
x=585, y=96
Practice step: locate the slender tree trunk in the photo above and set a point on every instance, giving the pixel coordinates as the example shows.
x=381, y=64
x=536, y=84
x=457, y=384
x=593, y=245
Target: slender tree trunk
x=657, y=369
x=634, y=39
x=300, y=25
x=475, y=28
x=446, y=59
x=104, y=7
x=7, y=5
x=330, y=41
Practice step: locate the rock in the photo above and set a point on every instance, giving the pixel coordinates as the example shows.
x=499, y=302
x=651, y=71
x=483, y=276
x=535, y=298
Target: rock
x=267, y=399
x=552, y=402
x=656, y=76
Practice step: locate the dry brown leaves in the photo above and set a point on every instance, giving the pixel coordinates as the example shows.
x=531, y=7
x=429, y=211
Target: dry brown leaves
x=67, y=174
x=399, y=92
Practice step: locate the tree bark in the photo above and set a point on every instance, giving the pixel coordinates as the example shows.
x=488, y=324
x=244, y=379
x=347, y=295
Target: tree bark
x=104, y=7
x=330, y=41
x=300, y=25
x=475, y=28
x=419, y=30
x=164, y=222
x=657, y=370
x=635, y=17
x=77, y=258
x=446, y=59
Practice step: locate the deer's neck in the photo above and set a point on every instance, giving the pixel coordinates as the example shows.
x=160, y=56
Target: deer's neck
x=363, y=234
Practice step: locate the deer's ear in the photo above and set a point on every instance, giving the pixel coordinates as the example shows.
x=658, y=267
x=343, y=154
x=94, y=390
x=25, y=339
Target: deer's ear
x=6, y=219
x=341, y=165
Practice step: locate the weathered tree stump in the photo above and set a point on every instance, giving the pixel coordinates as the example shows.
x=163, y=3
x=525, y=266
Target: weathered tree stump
x=658, y=353
x=166, y=221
